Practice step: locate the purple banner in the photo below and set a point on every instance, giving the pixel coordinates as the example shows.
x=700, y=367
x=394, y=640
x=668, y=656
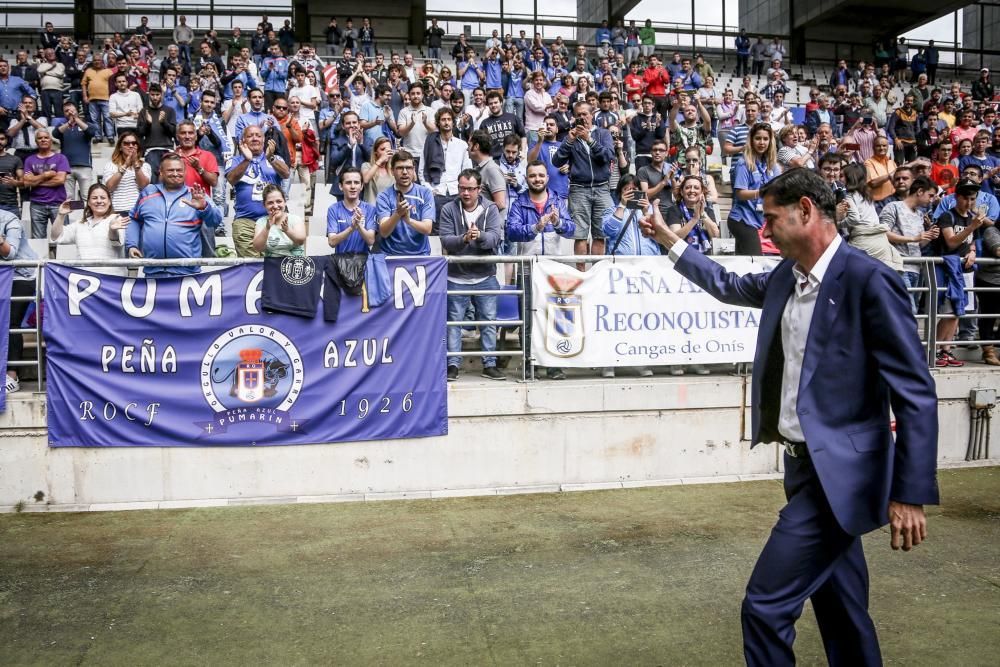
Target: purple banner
x=194, y=361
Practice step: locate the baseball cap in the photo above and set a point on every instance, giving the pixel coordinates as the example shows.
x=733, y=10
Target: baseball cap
x=985, y=69
x=967, y=186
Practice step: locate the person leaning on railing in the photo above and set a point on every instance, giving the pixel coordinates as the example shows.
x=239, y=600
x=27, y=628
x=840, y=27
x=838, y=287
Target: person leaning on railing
x=14, y=246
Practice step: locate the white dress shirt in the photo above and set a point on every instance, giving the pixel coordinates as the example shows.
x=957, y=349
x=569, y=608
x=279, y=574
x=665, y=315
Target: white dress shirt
x=456, y=159
x=795, y=323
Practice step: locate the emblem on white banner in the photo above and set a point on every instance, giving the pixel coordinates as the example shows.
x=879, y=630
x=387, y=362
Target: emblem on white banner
x=564, y=315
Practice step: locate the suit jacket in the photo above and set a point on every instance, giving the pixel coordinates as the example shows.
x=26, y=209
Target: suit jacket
x=863, y=356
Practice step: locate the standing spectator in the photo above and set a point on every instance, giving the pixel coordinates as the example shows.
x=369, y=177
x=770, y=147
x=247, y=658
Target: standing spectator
x=414, y=123
x=24, y=69
x=656, y=180
x=589, y=151
x=902, y=130
x=907, y=232
x=310, y=99
x=124, y=106
x=351, y=224
x=737, y=138
x=988, y=277
x=758, y=56
x=96, y=88
x=174, y=59
x=99, y=234
x=471, y=226
x=45, y=173
x=286, y=38
x=74, y=135
x=445, y=157
x=500, y=125
x=512, y=167
x=756, y=167
x=23, y=129
x=537, y=104
x=239, y=71
x=648, y=36
x=434, y=38
x=49, y=37
x=657, y=79
x=278, y=233
x=544, y=150
x=259, y=43
x=11, y=173
x=880, y=168
x=201, y=167
x=632, y=42
x=988, y=164
x=492, y=179
x=376, y=173
x=933, y=56
x=175, y=96
x=742, y=53
x=366, y=38
x=235, y=107
x=274, y=71
x=956, y=244
x=856, y=215
x=183, y=36
x=161, y=222
x=695, y=129
x=349, y=37
x=126, y=174
x=537, y=221
x=943, y=172
x=256, y=116
x=646, y=127
x=333, y=37
x=347, y=149
x=254, y=166
x=14, y=246
x=982, y=88
x=157, y=127
x=405, y=210
x=51, y=74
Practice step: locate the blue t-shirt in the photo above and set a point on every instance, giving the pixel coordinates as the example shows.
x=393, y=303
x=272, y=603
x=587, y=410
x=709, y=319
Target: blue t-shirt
x=494, y=75
x=750, y=178
x=470, y=78
x=405, y=240
x=338, y=218
x=558, y=181
x=250, y=188
x=515, y=84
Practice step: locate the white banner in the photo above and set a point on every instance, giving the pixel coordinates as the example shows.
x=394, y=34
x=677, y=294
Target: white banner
x=637, y=312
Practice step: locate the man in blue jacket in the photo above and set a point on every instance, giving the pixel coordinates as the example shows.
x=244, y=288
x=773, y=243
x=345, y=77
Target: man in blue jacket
x=837, y=347
x=274, y=72
x=588, y=151
x=166, y=221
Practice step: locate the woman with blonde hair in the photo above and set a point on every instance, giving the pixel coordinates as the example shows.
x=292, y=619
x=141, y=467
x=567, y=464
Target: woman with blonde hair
x=792, y=152
x=376, y=173
x=756, y=166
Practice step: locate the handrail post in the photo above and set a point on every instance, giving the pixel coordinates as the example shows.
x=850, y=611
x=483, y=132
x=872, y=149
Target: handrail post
x=932, y=313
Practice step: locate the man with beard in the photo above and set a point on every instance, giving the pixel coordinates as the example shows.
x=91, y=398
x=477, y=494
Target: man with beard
x=499, y=125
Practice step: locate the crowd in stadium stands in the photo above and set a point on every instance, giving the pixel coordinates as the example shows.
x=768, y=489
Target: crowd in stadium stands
x=500, y=148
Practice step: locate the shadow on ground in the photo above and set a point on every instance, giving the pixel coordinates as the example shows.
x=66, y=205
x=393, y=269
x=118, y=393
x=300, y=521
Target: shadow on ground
x=646, y=577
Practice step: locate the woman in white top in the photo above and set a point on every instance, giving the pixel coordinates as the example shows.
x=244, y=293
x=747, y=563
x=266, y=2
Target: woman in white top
x=126, y=174
x=375, y=173
x=857, y=215
x=279, y=234
x=100, y=234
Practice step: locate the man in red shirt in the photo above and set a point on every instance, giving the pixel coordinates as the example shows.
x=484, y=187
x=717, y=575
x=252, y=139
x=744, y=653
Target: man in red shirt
x=657, y=79
x=201, y=169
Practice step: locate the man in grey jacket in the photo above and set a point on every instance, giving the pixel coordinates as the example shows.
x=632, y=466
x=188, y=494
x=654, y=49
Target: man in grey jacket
x=471, y=225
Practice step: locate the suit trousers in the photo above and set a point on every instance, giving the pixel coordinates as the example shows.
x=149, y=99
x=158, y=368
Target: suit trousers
x=808, y=555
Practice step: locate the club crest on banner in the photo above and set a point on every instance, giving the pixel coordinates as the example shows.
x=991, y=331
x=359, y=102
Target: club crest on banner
x=251, y=373
x=564, y=316
x=298, y=270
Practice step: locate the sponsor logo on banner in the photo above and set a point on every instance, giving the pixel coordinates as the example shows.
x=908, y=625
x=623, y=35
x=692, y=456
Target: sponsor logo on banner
x=564, y=335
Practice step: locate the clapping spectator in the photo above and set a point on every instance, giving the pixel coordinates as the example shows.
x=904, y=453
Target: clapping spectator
x=24, y=126
x=126, y=174
x=278, y=233
x=856, y=215
x=99, y=234
x=254, y=166
x=74, y=135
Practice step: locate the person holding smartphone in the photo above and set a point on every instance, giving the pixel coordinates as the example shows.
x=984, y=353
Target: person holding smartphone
x=100, y=232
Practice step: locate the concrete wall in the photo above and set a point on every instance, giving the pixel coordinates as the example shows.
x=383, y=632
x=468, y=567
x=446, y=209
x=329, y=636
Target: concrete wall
x=513, y=438
x=767, y=16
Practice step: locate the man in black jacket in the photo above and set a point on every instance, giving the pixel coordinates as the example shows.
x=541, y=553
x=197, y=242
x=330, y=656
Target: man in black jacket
x=157, y=128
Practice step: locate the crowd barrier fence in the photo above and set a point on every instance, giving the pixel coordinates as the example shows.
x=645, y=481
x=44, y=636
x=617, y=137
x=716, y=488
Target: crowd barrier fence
x=508, y=317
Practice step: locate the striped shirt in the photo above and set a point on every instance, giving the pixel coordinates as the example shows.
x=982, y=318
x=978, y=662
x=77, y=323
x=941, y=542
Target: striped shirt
x=126, y=193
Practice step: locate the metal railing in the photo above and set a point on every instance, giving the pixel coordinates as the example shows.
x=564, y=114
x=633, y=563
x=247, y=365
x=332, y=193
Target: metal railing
x=928, y=319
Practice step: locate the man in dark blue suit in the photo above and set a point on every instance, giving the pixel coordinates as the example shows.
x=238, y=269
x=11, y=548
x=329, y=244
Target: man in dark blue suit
x=837, y=347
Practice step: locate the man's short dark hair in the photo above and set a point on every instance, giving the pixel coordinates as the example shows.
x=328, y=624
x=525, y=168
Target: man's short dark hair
x=208, y=93
x=970, y=165
x=351, y=170
x=494, y=94
x=443, y=111
x=471, y=173
x=829, y=158
x=922, y=183
x=536, y=163
x=482, y=140
x=512, y=140
x=381, y=90
x=401, y=155
x=605, y=96
x=794, y=184
x=154, y=88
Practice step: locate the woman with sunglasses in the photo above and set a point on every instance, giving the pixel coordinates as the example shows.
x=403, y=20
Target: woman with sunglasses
x=126, y=174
